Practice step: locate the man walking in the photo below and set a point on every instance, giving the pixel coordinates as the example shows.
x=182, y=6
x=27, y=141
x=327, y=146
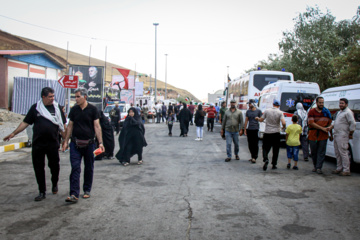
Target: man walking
x=252, y=130
x=211, y=114
x=48, y=120
x=232, y=125
x=222, y=111
x=158, y=110
x=217, y=108
x=344, y=127
x=163, y=112
x=273, y=117
x=192, y=109
x=115, y=118
x=83, y=126
x=319, y=119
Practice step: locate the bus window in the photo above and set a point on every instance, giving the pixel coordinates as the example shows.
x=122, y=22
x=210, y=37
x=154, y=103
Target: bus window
x=246, y=87
x=260, y=81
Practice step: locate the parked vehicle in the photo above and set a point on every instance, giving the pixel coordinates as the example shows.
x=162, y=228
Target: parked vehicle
x=331, y=101
x=289, y=93
x=123, y=111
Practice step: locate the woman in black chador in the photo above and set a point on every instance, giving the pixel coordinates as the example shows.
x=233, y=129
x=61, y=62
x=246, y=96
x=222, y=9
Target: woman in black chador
x=131, y=138
x=184, y=118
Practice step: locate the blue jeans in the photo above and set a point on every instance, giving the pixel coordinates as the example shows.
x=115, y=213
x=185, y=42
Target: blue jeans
x=75, y=159
x=293, y=152
x=230, y=137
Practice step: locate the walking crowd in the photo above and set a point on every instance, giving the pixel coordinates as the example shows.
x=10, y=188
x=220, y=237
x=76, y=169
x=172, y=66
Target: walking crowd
x=87, y=128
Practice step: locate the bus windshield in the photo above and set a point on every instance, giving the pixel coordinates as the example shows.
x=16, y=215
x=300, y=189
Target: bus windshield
x=289, y=101
x=261, y=80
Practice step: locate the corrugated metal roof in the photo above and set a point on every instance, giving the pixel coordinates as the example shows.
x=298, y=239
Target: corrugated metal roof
x=20, y=52
x=29, y=52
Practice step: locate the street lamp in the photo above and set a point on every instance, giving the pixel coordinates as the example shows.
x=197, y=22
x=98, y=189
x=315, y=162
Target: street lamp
x=165, y=75
x=155, y=24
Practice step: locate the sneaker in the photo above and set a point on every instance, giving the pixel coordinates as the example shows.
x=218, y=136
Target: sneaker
x=197, y=139
x=265, y=165
x=228, y=159
x=274, y=167
x=336, y=172
x=41, y=197
x=295, y=168
x=237, y=157
x=253, y=160
x=318, y=171
x=200, y=139
x=344, y=174
x=306, y=159
x=288, y=166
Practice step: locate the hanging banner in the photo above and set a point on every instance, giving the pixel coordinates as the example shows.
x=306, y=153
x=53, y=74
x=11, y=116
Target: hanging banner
x=139, y=88
x=127, y=95
x=91, y=78
x=118, y=82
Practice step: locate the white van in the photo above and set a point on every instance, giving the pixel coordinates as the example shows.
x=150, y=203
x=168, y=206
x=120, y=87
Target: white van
x=331, y=101
x=289, y=93
x=124, y=107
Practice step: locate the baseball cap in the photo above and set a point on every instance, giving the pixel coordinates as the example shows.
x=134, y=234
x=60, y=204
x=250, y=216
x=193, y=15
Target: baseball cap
x=232, y=101
x=276, y=102
x=252, y=101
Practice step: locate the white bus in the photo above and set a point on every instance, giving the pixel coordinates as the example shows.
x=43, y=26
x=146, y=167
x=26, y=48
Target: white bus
x=249, y=86
x=289, y=93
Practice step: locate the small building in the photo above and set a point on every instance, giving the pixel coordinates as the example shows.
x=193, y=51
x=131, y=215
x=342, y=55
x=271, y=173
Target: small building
x=214, y=97
x=25, y=63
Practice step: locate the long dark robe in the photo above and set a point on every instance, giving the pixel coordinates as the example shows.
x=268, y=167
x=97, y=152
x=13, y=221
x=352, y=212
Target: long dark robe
x=108, y=137
x=184, y=118
x=131, y=138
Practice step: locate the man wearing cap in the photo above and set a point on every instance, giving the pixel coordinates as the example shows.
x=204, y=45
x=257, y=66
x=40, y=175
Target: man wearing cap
x=273, y=117
x=252, y=130
x=232, y=125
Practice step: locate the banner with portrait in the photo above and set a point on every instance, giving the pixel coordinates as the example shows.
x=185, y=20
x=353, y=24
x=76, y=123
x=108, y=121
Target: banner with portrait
x=91, y=78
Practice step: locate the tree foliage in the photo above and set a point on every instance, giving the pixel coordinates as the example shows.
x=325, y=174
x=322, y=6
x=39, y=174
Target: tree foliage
x=319, y=49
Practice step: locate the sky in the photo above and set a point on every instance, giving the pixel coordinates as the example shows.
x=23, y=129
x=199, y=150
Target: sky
x=203, y=39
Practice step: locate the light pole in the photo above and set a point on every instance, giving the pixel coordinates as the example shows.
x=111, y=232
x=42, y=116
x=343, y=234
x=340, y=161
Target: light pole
x=165, y=76
x=155, y=24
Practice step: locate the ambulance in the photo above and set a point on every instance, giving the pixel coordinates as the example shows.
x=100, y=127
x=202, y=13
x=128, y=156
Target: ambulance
x=289, y=93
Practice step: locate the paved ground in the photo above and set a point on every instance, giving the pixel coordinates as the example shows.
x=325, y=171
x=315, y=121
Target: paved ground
x=184, y=190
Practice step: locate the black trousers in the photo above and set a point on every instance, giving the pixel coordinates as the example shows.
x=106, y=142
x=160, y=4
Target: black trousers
x=116, y=125
x=170, y=128
x=271, y=140
x=210, y=123
x=253, y=143
x=38, y=159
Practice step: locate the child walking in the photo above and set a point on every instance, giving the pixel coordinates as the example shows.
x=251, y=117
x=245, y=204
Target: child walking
x=293, y=133
x=170, y=121
x=199, y=122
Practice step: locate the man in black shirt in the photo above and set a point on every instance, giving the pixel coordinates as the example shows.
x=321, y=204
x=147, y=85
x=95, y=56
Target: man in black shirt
x=48, y=120
x=83, y=125
x=115, y=118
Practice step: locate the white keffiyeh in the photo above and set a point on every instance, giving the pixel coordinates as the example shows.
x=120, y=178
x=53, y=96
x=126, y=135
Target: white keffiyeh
x=57, y=119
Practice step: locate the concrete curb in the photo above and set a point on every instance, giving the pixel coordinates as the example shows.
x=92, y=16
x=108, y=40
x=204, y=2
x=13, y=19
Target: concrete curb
x=11, y=147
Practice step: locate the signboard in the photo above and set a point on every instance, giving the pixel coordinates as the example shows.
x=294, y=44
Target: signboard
x=91, y=78
x=139, y=88
x=69, y=81
x=127, y=95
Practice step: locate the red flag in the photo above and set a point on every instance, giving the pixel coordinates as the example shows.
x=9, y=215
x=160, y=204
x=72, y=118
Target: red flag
x=125, y=74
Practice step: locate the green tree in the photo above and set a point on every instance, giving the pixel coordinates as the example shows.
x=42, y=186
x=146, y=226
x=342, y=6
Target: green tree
x=348, y=67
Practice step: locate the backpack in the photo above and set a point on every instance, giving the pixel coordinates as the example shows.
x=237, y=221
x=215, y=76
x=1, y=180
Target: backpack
x=112, y=113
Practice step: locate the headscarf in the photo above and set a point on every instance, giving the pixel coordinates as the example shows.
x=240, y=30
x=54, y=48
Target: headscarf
x=132, y=121
x=300, y=111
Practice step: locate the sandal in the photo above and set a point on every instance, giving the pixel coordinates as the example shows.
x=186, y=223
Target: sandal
x=71, y=199
x=124, y=163
x=140, y=162
x=253, y=160
x=237, y=157
x=288, y=166
x=227, y=159
x=86, y=195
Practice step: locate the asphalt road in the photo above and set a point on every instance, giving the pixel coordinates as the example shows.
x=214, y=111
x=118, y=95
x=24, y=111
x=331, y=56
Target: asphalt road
x=184, y=190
